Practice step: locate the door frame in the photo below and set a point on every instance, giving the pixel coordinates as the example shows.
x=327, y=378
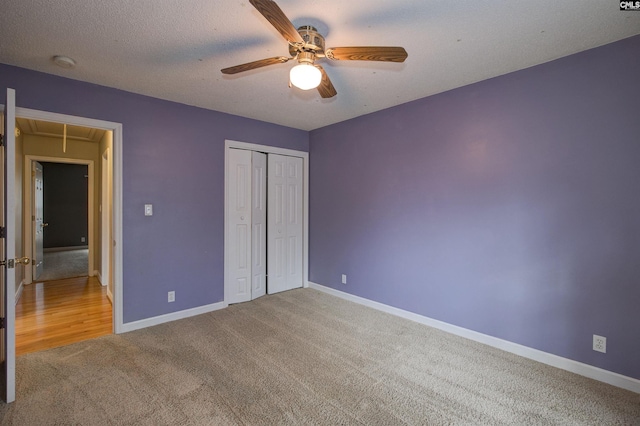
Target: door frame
x=104, y=275
x=116, y=155
x=28, y=240
x=228, y=144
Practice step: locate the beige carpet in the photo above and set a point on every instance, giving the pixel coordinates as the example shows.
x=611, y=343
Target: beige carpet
x=65, y=264
x=302, y=357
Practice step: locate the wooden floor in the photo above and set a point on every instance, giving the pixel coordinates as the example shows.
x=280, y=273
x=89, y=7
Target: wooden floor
x=57, y=313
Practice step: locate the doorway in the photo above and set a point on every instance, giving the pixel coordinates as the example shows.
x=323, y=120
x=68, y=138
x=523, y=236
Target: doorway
x=36, y=229
x=115, y=191
x=62, y=228
x=60, y=206
x=286, y=243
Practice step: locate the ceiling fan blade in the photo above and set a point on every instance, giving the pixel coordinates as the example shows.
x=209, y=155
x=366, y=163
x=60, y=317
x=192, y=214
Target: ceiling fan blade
x=368, y=53
x=326, y=88
x=255, y=64
x=272, y=12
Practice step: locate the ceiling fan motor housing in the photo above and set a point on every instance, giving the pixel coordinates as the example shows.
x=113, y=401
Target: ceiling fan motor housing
x=313, y=41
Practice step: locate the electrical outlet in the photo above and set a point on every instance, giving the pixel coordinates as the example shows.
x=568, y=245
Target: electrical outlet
x=599, y=344
x=148, y=209
x=344, y=279
x=82, y=240
x=171, y=296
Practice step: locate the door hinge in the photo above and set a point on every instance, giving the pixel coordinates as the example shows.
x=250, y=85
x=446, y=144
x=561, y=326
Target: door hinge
x=1, y=139
x=3, y=232
x=1, y=323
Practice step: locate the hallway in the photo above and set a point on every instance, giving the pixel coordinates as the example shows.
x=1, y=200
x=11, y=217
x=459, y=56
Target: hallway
x=64, y=264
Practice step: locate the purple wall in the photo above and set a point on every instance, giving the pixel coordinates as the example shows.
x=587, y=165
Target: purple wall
x=173, y=157
x=510, y=207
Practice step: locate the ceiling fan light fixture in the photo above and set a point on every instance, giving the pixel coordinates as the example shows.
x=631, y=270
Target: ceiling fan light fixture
x=305, y=76
x=306, y=45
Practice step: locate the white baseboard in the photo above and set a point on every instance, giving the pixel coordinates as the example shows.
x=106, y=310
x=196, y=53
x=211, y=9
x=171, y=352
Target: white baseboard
x=109, y=296
x=580, y=368
x=99, y=276
x=19, y=291
x=173, y=316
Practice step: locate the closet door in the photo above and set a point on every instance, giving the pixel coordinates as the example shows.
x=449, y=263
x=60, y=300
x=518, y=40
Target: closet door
x=284, y=223
x=239, y=217
x=259, y=225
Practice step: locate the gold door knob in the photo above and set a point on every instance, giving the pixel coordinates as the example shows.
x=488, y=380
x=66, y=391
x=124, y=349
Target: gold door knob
x=10, y=263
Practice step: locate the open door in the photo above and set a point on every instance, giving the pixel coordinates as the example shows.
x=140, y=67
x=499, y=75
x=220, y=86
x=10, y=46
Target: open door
x=38, y=218
x=8, y=251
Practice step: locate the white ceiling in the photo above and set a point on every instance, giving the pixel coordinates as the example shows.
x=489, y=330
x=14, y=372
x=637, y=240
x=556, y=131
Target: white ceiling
x=174, y=49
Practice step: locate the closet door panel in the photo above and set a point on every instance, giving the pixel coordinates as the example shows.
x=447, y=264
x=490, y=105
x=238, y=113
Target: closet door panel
x=284, y=219
x=258, y=225
x=239, y=215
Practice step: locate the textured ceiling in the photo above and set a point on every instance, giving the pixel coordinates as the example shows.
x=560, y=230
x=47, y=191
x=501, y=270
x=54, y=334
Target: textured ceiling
x=174, y=49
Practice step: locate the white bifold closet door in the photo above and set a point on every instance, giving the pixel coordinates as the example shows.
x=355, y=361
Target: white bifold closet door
x=285, y=224
x=265, y=224
x=247, y=218
x=259, y=225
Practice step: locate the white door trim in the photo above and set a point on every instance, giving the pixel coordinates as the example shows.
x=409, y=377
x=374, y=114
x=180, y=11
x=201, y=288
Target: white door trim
x=116, y=128
x=27, y=243
x=105, y=225
x=305, y=214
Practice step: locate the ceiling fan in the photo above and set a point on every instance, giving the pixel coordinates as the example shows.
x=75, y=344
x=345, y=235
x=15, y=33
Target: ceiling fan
x=306, y=46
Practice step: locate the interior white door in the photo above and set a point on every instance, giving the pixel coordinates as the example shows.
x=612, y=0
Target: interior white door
x=284, y=223
x=239, y=217
x=8, y=252
x=38, y=218
x=258, y=224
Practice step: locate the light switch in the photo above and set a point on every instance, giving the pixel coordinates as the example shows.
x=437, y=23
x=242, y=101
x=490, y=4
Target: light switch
x=148, y=209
